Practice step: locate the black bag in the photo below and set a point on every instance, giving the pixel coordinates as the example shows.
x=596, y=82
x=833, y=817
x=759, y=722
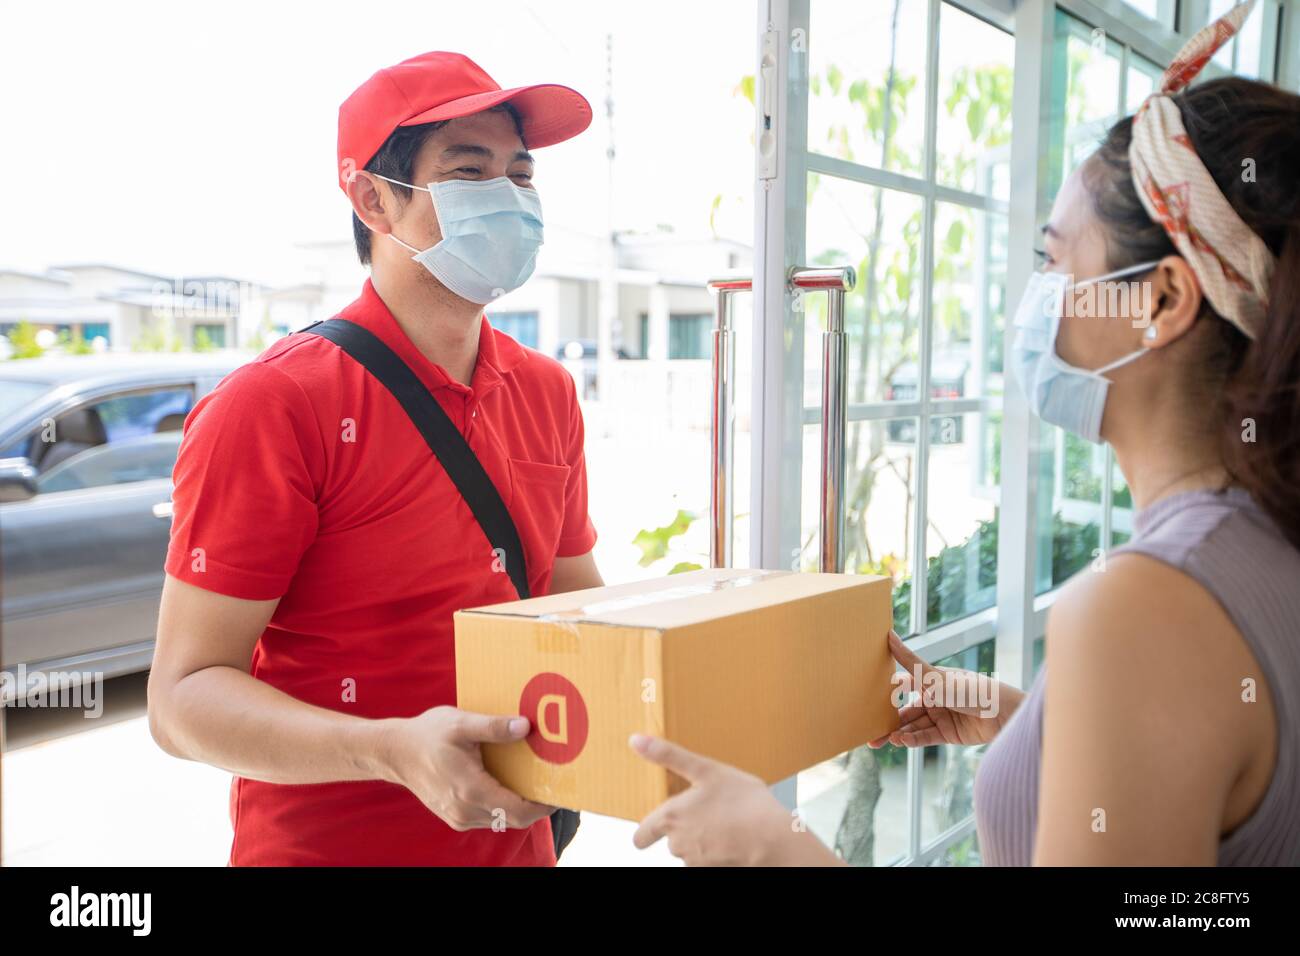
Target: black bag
x=457, y=459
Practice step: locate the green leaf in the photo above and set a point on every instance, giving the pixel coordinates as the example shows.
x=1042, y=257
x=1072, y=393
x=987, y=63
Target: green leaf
x=975, y=118
x=654, y=543
x=952, y=243
x=747, y=87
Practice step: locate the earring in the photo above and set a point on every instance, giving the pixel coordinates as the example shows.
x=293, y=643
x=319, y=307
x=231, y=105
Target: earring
x=1150, y=333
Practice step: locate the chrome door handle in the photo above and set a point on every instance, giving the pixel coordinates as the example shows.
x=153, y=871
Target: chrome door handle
x=834, y=282
x=722, y=423
x=162, y=509
x=835, y=364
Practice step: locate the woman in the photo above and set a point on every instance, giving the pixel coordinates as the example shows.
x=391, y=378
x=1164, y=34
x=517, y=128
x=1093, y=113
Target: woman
x=1172, y=731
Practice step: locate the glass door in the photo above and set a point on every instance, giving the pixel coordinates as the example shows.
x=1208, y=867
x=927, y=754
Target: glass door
x=883, y=143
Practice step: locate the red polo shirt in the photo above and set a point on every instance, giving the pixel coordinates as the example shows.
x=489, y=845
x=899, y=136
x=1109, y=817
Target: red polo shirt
x=300, y=477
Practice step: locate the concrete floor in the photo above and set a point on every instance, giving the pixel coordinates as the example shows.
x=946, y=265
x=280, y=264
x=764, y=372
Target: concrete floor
x=78, y=792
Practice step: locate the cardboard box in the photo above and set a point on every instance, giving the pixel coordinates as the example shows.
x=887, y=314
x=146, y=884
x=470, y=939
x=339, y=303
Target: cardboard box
x=770, y=671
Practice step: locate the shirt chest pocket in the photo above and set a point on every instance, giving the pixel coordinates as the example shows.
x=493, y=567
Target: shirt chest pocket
x=537, y=506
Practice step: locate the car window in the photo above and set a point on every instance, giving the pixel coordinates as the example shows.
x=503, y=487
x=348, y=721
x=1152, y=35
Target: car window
x=125, y=438
x=140, y=458
x=128, y=416
x=18, y=449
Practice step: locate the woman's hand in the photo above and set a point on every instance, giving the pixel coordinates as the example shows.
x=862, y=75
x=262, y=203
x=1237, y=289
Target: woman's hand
x=726, y=817
x=956, y=706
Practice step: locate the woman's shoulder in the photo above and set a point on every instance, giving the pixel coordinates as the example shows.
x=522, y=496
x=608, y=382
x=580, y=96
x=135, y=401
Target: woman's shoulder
x=1135, y=599
x=1152, y=636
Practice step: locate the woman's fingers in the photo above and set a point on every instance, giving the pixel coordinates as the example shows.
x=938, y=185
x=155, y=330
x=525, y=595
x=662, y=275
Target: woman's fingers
x=687, y=765
x=903, y=654
x=921, y=723
x=655, y=826
x=920, y=738
x=912, y=712
x=906, y=716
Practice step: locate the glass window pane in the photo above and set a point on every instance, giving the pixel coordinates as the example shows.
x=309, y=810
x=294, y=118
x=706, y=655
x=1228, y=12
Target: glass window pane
x=965, y=852
x=866, y=84
x=1085, y=91
x=1121, y=508
x=1250, y=44
x=1068, y=470
x=857, y=804
x=690, y=336
x=948, y=772
x=878, y=507
x=962, y=525
x=1142, y=78
x=1069, y=505
x=974, y=119
x=1224, y=55
x=969, y=302
x=520, y=326
x=877, y=231
x=1148, y=8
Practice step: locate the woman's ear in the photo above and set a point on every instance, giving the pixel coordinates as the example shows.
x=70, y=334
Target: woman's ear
x=368, y=202
x=1174, y=304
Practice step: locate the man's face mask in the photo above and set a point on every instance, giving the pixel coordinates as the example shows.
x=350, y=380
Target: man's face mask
x=1059, y=393
x=491, y=231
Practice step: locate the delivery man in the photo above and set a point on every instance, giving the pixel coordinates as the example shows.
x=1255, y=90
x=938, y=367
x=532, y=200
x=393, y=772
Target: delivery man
x=318, y=548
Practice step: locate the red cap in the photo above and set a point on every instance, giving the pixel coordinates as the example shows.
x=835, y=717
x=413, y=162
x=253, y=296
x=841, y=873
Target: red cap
x=442, y=86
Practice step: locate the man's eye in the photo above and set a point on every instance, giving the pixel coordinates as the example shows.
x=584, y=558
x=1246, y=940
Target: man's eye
x=1042, y=257
x=471, y=170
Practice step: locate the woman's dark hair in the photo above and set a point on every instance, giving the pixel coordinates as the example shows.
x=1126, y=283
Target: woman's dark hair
x=396, y=160
x=1248, y=136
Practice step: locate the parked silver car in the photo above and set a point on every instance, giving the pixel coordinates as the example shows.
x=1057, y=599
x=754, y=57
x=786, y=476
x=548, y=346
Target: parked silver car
x=87, y=446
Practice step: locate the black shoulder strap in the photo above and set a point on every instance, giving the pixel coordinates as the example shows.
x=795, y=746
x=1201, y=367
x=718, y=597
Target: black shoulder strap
x=440, y=434
x=460, y=463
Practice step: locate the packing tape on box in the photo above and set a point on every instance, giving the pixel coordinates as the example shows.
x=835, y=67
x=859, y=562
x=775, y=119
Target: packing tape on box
x=593, y=611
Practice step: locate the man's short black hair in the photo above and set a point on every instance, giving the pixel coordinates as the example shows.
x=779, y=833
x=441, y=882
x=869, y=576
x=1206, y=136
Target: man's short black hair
x=396, y=160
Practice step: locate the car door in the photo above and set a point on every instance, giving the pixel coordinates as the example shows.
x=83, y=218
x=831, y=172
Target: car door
x=83, y=558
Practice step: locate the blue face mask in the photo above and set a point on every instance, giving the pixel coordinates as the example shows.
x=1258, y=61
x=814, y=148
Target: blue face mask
x=491, y=231
x=1059, y=393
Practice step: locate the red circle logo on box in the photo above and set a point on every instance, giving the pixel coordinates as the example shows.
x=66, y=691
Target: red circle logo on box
x=558, y=715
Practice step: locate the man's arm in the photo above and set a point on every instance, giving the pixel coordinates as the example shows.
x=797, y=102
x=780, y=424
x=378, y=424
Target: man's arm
x=574, y=574
x=205, y=706
x=200, y=681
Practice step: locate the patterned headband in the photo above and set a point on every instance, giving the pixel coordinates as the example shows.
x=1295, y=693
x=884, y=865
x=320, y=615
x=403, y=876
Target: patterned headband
x=1233, y=264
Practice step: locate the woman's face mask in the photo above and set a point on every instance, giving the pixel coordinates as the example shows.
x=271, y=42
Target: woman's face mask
x=1059, y=393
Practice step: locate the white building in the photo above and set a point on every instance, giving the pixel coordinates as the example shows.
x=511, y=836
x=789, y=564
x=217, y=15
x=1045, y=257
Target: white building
x=664, y=307
x=126, y=308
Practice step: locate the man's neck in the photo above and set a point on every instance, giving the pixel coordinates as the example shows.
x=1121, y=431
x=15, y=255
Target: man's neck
x=443, y=326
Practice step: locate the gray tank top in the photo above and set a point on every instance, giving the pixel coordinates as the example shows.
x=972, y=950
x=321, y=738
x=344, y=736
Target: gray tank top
x=1230, y=546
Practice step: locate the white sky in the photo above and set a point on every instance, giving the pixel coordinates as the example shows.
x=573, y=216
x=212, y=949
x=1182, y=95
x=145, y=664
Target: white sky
x=200, y=138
